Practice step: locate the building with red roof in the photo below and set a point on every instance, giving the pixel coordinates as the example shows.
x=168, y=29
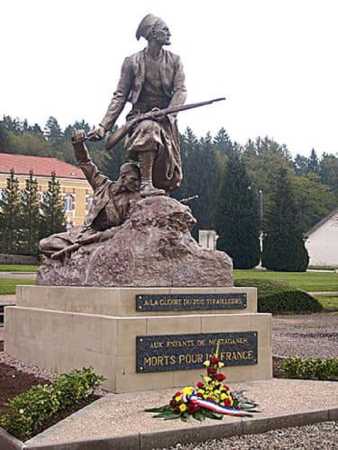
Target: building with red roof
x=74, y=186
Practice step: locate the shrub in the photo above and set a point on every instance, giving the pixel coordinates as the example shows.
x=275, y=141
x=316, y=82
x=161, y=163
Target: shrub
x=311, y=368
x=277, y=297
x=29, y=412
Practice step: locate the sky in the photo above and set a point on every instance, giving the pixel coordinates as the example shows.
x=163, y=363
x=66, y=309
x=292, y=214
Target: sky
x=275, y=61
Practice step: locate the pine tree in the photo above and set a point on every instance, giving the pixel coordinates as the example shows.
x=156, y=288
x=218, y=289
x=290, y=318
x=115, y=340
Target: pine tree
x=10, y=217
x=283, y=244
x=30, y=216
x=52, y=209
x=237, y=215
x=313, y=165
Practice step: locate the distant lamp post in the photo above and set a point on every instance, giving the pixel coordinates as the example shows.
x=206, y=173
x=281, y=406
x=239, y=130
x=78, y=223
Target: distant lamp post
x=261, y=215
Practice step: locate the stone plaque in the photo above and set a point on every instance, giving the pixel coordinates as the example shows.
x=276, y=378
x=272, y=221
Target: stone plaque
x=189, y=351
x=191, y=302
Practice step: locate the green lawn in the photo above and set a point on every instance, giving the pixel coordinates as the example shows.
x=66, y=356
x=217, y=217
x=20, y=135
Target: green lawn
x=8, y=285
x=307, y=281
x=329, y=303
x=18, y=268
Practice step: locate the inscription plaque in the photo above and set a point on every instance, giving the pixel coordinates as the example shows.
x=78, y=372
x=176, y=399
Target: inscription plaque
x=191, y=302
x=189, y=351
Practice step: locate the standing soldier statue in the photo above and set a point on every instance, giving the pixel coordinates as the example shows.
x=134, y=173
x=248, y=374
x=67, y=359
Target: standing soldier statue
x=152, y=79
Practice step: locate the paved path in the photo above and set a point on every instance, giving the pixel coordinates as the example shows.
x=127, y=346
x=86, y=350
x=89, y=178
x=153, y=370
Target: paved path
x=324, y=293
x=22, y=275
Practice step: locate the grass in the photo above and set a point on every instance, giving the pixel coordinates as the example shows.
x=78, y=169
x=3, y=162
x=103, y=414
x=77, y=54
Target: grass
x=328, y=303
x=8, y=285
x=306, y=281
x=18, y=268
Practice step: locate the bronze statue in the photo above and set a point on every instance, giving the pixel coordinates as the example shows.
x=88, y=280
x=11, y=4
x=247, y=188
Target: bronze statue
x=110, y=207
x=151, y=79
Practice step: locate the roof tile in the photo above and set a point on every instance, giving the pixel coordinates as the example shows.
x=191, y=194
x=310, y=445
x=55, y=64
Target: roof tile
x=43, y=166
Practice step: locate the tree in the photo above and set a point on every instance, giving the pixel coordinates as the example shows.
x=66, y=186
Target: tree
x=53, y=131
x=301, y=165
x=313, y=200
x=10, y=216
x=283, y=244
x=52, y=209
x=329, y=171
x=30, y=217
x=111, y=161
x=237, y=217
x=313, y=165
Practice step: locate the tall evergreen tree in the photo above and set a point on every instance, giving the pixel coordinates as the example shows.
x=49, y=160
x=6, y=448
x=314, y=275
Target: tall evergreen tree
x=10, y=217
x=313, y=165
x=329, y=171
x=53, y=131
x=112, y=161
x=301, y=165
x=283, y=244
x=30, y=217
x=52, y=209
x=238, y=215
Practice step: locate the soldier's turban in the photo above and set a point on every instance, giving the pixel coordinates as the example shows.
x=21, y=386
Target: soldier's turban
x=146, y=25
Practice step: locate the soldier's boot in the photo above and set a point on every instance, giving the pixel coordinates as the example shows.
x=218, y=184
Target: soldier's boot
x=146, y=160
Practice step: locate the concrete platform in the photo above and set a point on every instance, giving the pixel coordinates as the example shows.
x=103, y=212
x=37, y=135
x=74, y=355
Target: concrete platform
x=119, y=421
x=62, y=328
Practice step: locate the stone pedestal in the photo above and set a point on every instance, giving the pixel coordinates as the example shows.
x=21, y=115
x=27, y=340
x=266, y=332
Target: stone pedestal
x=140, y=338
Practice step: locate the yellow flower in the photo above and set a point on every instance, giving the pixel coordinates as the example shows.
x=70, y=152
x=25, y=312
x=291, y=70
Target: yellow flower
x=178, y=398
x=223, y=396
x=200, y=391
x=207, y=363
x=220, y=365
x=183, y=408
x=187, y=390
x=206, y=379
x=216, y=392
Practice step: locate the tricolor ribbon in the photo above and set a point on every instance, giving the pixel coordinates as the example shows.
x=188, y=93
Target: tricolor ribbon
x=218, y=408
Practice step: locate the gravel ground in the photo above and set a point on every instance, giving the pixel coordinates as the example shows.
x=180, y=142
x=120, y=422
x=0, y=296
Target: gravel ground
x=322, y=436
x=313, y=335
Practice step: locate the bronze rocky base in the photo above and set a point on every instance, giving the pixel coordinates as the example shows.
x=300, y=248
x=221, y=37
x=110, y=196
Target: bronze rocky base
x=153, y=247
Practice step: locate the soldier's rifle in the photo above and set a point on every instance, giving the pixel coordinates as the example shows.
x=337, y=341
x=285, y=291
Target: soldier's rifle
x=121, y=132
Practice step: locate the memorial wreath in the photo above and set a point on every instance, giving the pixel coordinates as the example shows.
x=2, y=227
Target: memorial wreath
x=210, y=398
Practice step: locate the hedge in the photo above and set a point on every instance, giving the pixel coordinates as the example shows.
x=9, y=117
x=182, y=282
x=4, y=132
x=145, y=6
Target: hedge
x=279, y=297
x=311, y=368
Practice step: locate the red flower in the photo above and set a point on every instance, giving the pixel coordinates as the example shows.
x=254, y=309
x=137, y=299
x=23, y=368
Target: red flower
x=227, y=402
x=220, y=376
x=226, y=387
x=193, y=407
x=211, y=371
x=214, y=359
x=178, y=394
x=200, y=384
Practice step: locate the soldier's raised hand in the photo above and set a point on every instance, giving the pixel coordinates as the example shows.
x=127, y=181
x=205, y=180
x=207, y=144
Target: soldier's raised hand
x=97, y=133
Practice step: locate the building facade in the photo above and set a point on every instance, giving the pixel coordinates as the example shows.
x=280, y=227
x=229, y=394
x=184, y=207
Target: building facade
x=76, y=191
x=322, y=242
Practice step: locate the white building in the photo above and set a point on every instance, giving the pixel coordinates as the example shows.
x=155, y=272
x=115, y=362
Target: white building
x=322, y=242
x=207, y=239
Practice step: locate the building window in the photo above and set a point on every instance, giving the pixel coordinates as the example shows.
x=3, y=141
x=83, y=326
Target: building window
x=89, y=201
x=69, y=202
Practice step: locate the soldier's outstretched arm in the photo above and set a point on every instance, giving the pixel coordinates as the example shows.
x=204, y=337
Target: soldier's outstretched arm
x=94, y=177
x=117, y=102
